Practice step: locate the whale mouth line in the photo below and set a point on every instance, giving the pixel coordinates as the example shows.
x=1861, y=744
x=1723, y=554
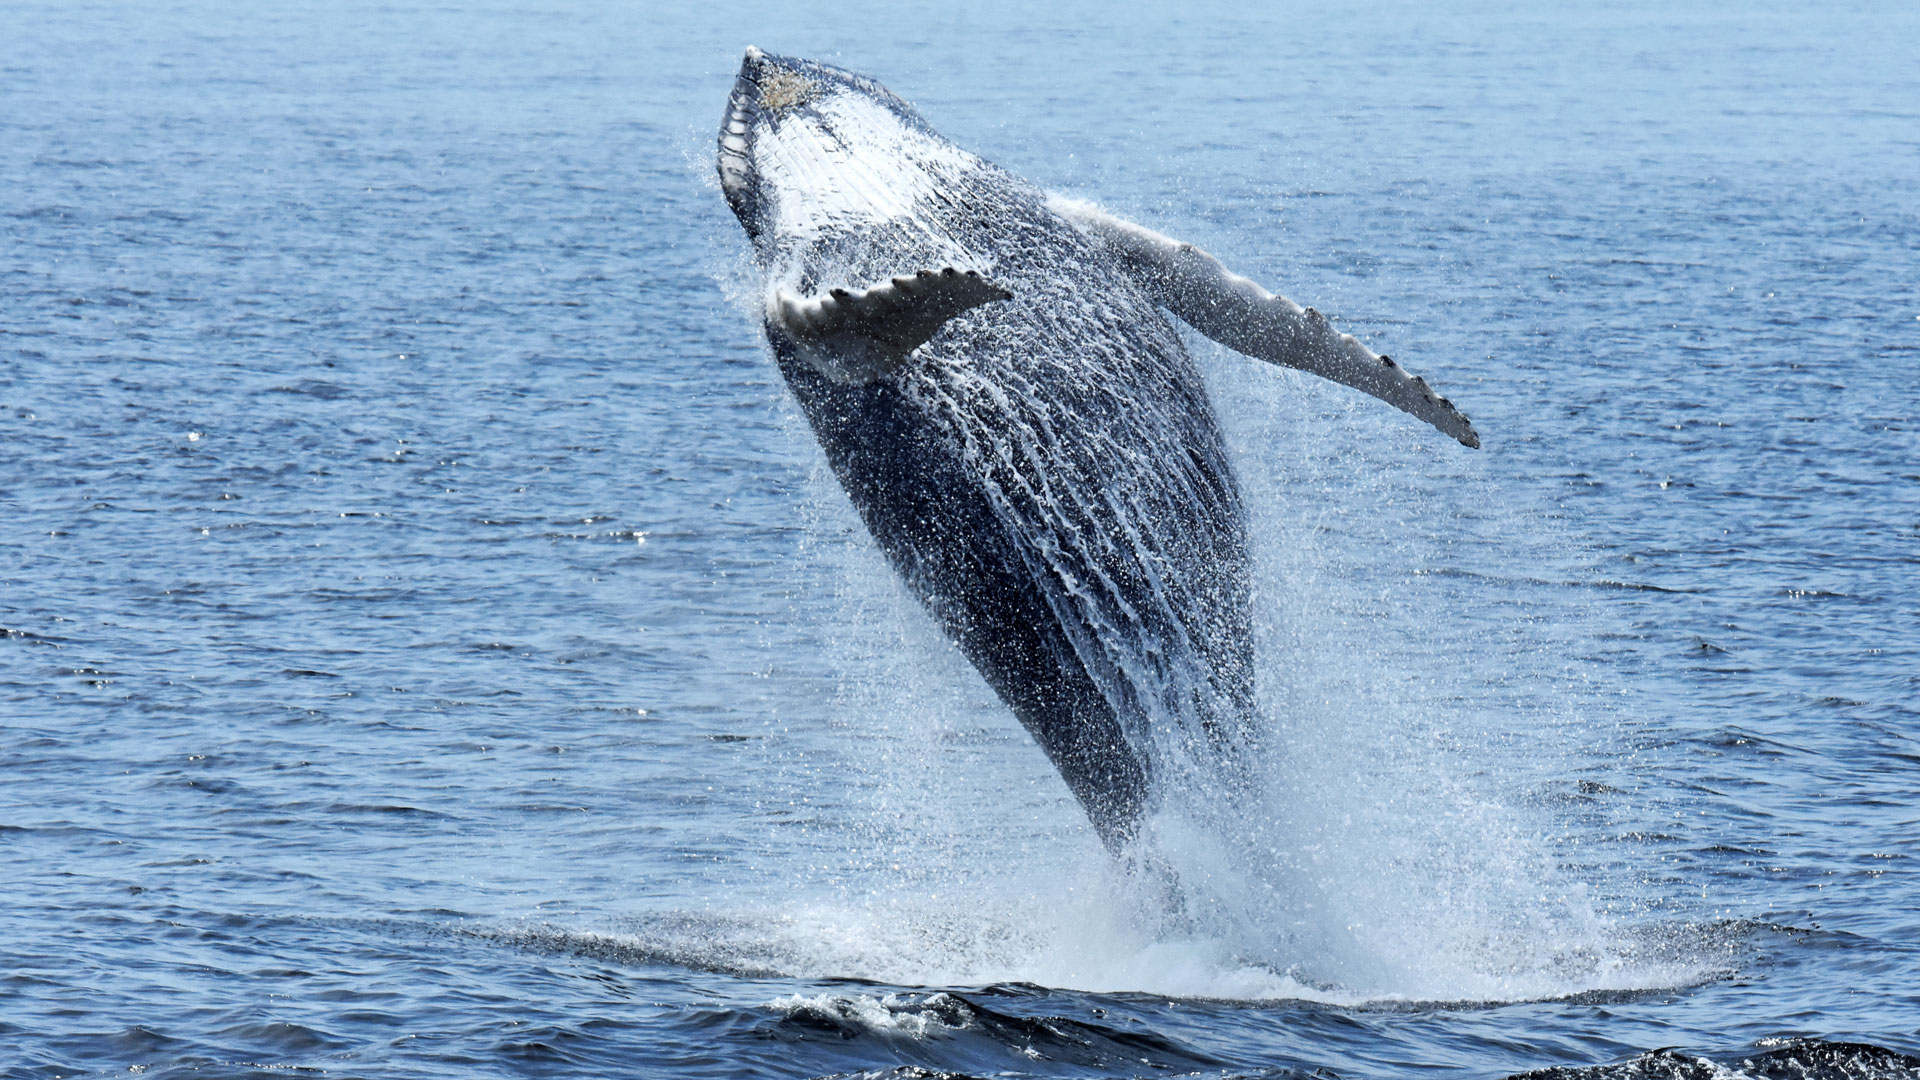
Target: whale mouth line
x=739, y=180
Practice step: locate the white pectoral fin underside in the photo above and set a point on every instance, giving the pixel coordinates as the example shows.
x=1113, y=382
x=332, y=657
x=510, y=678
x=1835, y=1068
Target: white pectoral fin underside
x=854, y=336
x=1239, y=314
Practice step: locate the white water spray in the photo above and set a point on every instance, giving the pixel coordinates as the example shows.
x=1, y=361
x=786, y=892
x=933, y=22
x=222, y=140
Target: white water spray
x=1392, y=845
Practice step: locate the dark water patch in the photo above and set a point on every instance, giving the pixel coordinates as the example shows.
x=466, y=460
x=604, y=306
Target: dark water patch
x=1748, y=742
x=1637, y=586
x=283, y=1037
x=313, y=388
x=395, y=810
x=546, y=1044
x=209, y=784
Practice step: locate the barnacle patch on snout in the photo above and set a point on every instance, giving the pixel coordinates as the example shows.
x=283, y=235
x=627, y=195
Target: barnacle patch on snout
x=781, y=90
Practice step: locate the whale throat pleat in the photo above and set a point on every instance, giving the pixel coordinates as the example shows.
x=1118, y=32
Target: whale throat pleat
x=1238, y=313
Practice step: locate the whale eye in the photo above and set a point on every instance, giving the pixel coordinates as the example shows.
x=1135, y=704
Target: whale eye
x=781, y=90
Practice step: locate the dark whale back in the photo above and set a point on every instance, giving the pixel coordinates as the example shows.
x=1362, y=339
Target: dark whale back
x=1047, y=476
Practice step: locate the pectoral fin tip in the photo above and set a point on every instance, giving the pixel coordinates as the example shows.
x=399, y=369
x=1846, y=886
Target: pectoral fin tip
x=856, y=336
x=1241, y=315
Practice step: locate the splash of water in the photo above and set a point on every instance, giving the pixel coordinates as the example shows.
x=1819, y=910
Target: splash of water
x=1385, y=841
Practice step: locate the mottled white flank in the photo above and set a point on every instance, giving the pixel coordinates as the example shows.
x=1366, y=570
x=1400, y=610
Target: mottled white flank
x=1238, y=313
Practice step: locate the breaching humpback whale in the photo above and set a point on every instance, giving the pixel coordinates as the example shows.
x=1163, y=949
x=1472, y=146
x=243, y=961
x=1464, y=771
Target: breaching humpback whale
x=991, y=377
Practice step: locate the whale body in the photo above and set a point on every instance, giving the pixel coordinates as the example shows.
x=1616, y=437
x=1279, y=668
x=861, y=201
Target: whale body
x=994, y=381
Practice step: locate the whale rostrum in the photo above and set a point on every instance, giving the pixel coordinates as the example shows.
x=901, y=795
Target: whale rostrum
x=855, y=336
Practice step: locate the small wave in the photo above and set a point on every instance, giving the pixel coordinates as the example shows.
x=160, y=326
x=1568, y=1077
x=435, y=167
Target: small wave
x=679, y=941
x=901, y=1073
x=890, y=1017
x=988, y=1038
x=284, y=1036
x=1795, y=1059
x=1081, y=952
x=931, y=949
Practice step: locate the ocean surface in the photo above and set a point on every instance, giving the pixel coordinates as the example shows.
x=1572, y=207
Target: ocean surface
x=434, y=647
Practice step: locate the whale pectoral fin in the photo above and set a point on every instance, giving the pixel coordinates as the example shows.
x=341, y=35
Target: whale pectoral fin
x=1238, y=313
x=855, y=336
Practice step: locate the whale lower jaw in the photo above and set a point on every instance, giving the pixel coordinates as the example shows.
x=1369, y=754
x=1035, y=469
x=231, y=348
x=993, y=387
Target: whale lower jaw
x=738, y=180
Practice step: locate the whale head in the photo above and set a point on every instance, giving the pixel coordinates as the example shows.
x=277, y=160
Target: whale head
x=810, y=150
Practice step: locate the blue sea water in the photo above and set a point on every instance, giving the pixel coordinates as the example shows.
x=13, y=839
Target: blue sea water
x=434, y=647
